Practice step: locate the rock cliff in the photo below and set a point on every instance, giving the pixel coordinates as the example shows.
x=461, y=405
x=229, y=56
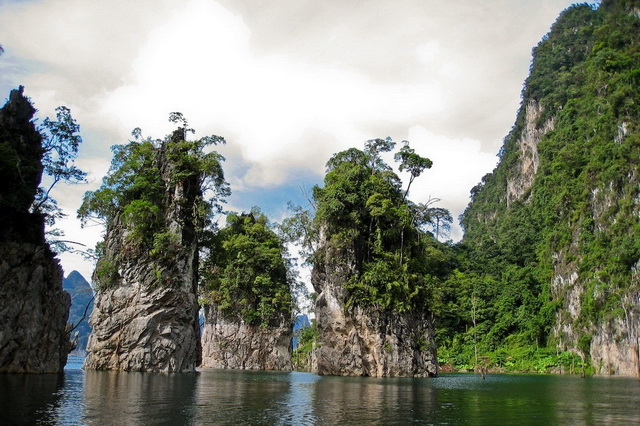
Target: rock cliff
x=523, y=174
x=365, y=341
x=33, y=306
x=230, y=343
x=146, y=309
x=562, y=206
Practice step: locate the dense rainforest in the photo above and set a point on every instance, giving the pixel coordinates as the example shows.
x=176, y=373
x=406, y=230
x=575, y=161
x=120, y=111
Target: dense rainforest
x=549, y=258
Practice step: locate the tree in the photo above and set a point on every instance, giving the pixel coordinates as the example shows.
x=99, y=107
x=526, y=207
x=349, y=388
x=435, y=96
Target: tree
x=60, y=145
x=298, y=229
x=248, y=274
x=440, y=220
x=411, y=162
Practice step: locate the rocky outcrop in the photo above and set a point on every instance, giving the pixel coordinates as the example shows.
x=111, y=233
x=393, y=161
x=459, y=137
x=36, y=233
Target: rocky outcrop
x=146, y=309
x=528, y=162
x=230, y=343
x=614, y=346
x=34, y=308
x=138, y=327
x=34, y=337
x=364, y=341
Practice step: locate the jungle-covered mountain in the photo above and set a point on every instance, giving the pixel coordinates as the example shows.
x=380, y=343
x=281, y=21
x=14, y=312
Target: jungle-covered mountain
x=548, y=267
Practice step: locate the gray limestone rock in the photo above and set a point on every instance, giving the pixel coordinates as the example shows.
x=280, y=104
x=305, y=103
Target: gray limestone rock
x=34, y=308
x=34, y=337
x=230, y=343
x=137, y=327
x=364, y=341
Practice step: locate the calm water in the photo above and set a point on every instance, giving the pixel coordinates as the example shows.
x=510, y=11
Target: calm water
x=235, y=397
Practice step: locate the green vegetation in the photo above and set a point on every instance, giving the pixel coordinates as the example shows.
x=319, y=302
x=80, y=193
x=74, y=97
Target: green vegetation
x=371, y=226
x=306, y=338
x=148, y=183
x=247, y=273
x=26, y=152
x=580, y=214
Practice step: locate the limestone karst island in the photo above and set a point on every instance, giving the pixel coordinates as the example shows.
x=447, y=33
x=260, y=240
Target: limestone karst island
x=546, y=278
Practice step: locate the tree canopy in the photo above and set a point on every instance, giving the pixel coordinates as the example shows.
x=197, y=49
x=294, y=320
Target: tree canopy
x=363, y=209
x=247, y=273
x=144, y=177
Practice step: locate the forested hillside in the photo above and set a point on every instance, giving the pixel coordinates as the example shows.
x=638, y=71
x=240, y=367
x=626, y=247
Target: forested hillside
x=548, y=272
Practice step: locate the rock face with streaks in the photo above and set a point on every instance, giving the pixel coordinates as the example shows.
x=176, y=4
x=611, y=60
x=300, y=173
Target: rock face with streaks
x=230, y=343
x=146, y=309
x=34, y=308
x=364, y=341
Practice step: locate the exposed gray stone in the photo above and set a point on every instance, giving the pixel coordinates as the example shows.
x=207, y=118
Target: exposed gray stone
x=364, y=341
x=34, y=337
x=230, y=343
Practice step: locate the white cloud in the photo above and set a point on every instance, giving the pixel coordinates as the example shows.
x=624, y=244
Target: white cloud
x=287, y=84
x=458, y=165
x=268, y=102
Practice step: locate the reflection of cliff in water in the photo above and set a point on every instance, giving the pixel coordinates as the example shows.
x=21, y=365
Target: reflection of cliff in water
x=359, y=400
x=261, y=397
x=138, y=398
x=44, y=397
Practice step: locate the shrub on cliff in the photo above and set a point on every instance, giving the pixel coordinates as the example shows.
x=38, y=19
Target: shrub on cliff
x=144, y=177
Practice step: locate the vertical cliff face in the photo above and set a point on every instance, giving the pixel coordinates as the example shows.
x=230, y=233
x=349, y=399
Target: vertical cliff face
x=365, y=341
x=524, y=172
x=146, y=310
x=563, y=204
x=248, y=288
x=231, y=343
x=33, y=306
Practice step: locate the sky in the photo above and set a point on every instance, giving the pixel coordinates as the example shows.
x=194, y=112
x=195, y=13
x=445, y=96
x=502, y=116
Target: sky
x=287, y=83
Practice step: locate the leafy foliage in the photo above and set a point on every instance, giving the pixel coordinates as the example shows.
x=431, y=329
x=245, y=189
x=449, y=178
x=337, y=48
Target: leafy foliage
x=137, y=192
x=247, y=273
x=581, y=210
x=362, y=210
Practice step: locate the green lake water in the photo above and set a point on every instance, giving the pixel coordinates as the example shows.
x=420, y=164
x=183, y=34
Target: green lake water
x=251, y=397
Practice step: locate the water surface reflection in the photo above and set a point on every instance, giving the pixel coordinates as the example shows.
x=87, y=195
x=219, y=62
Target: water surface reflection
x=253, y=397
x=138, y=398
